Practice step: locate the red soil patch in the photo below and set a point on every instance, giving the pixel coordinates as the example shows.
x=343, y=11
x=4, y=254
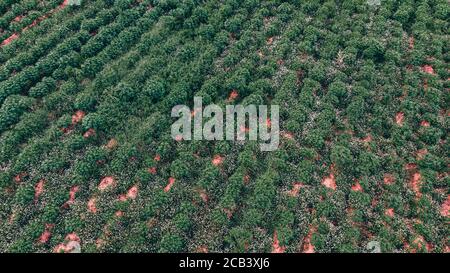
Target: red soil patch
x=308, y=247
x=399, y=117
x=246, y=179
x=203, y=195
x=18, y=18
x=132, y=192
x=112, y=143
x=72, y=237
x=99, y=243
x=268, y=123
x=38, y=189
x=329, y=182
x=276, y=248
x=43, y=17
x=445, y=208
x=388, y=179
x=202, y=249
x=8, y=40
x=72, y=194
x=374, y=202
x=411, y=42
x=228, y=212
x=169, y=186
x=418, y=243
x=357, y=187
x=233, y=95
x=72, y=242
x=157, y=158
x=77, y=117
x=389, y=212
x=217, y=160
x=152, y=170
x=64, y=248
x=123, y=197
x=106, y=182
x=45, y=236
x=295, y=189
x=91, y=205
x=63, y=4
x=428, y=69
x=367, y=139
x=415, y=183
x=424, y=123
x=34, y=23
x=90, y=132
x=18, y=178
x=66, y=130
x=421, y=154
x=410, y=166
x=118, y=213
x=287, y=135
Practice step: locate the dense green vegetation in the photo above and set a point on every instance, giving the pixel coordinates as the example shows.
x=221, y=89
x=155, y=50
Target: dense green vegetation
x=86, y=153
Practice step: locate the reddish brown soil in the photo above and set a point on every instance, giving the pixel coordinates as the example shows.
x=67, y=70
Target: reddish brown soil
x=169, y=186
x=415, y=184
x=233, y=95
x=77, y=117
x=45, y=236
x=89, y=133
x=112, y=143
x=295, y=189
x=329, y=182
x=132, y=192
x=388, y=179
x=8, y=40
x=38, y=189
x=424, y=123
x=91, y=205
x=34, y=23
x=367, y=139
x=445, y=208
x=276, y=248
x=217, y=160
x=308, y=247
x=357, y=187
x=389, y=212
x=428, y=69
x=399, y=117
x=106, y=182
x=152, y=170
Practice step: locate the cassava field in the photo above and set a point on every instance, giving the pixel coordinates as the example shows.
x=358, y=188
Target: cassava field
x=87, y=161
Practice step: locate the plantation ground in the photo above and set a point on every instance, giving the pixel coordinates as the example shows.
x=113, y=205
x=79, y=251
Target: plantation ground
x=87, y=160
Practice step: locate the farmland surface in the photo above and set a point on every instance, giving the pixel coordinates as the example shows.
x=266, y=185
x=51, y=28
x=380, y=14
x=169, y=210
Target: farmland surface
x=86, y=153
